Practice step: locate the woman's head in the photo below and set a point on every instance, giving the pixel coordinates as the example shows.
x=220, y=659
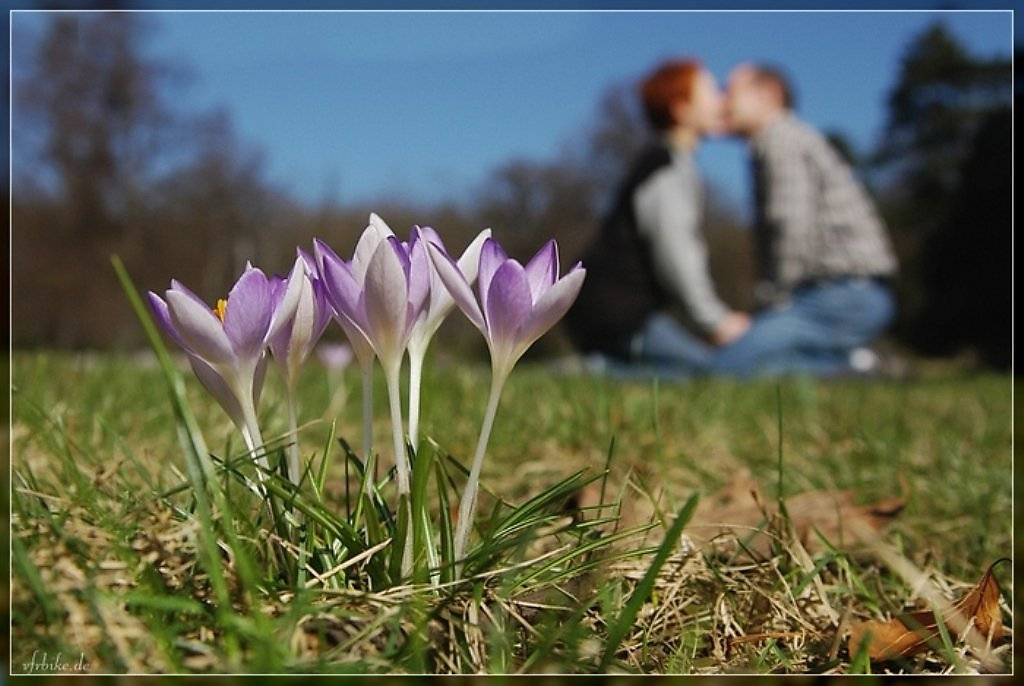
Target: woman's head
x=682, y=94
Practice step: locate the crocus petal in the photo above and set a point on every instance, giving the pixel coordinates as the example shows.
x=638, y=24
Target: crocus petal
x=552, y=306
x=343, y=293
x=357, y=338
x=387, y=300
x=379, y=226
x=441, y=301
x=257, y=380
x=323, y=252
x=299, y=333
x=199, y=328
x=281, y=340
x=284, y=309
x=249, y=312
x=221, y=391
x=343, y=290
x=457, y=286
x=182, y=288
x=308, y=260
x=322, y=307
x=376, y=231
x=305, y=313
x=491, y=258
x=163, y=317
x=428, y=234
x=334, y=355
x=542, y=269
x=469, y=262
x=508, y=304
x=420, y=273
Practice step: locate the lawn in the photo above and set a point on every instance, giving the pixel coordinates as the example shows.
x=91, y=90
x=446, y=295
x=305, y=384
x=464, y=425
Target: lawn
x=109, y=570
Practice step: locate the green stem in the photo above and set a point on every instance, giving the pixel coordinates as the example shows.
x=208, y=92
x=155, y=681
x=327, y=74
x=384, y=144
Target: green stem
x=294, y=470
x=368, y=425
x=415, y=381
x=253, y=440
x=467, y=505
x=401, y=460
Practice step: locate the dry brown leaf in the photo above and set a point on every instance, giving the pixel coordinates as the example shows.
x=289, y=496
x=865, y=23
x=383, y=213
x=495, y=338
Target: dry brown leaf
x=911, y=633
x=738, y=512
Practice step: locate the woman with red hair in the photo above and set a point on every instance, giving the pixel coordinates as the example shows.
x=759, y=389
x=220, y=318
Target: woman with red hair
x=649, y=254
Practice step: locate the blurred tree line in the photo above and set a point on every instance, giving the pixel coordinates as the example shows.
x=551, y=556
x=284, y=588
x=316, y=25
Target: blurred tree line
x=105, y=163
x=947, y=162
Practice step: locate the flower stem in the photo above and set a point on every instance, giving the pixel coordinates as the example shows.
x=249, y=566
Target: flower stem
x=415, y=381
x=368, y=427
x=253, y=440
x=293, y=427
x=401, y=460
x=467, y=505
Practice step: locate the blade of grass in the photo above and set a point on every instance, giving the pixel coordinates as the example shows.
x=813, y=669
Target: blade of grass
x=422, y=468
x=444, y=513
x=402, y=529
x=20, y=561
x=621, y=625
x=199, y=468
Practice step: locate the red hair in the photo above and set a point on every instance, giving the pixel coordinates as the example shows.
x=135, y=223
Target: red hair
x=664, y=87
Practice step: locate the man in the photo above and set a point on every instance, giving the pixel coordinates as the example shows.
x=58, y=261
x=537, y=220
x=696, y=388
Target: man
x=649, y=254
x=824, y=260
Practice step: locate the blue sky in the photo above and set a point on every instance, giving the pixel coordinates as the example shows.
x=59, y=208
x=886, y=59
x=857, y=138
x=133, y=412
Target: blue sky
x=355, y=105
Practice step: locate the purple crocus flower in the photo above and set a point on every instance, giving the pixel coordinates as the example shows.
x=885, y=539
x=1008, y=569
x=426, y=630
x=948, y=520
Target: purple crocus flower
x=385, y=304
x=439, y=304
x=334, y=356
x=384, y=307
x=226, y=344
x=294, y=342
x=379, y=304
x=353, y=272
x=516, y=306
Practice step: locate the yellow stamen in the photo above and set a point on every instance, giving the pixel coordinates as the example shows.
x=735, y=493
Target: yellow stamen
x=221, y=309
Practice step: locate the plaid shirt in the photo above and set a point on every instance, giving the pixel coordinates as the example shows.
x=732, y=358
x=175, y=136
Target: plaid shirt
x=814, y=220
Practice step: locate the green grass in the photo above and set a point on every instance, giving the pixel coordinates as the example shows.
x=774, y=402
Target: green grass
x=106, y=561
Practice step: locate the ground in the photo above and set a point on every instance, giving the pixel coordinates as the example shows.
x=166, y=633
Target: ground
x=108, y=563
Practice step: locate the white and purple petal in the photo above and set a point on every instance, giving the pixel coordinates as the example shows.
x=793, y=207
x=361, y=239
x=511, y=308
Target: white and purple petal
x=492, y=256
x=552, y=306
x=458, y=287
x=508, y=304
x=215, y=384
x=284, y=308
x=249, y=312
x=542, y=269
x=386, y=297
x=163, y=317
x=199, y=329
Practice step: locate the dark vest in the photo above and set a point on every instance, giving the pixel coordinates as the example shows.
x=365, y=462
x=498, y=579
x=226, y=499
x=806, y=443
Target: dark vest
x=620, y=291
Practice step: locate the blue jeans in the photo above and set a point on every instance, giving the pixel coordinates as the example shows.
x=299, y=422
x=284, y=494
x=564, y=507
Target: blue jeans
x=663, y=348
x=814, y=333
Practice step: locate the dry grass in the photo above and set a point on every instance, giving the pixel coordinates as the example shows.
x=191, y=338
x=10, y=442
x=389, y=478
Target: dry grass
x=107, y=569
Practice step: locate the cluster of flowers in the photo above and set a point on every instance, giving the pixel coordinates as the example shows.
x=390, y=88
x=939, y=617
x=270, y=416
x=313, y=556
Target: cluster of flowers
x=390, y=299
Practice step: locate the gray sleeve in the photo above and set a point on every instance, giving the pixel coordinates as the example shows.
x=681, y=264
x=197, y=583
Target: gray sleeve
x=668, y=213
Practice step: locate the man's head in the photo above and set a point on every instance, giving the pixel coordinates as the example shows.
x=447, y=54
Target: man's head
x=756, y=95
x=682, y=94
